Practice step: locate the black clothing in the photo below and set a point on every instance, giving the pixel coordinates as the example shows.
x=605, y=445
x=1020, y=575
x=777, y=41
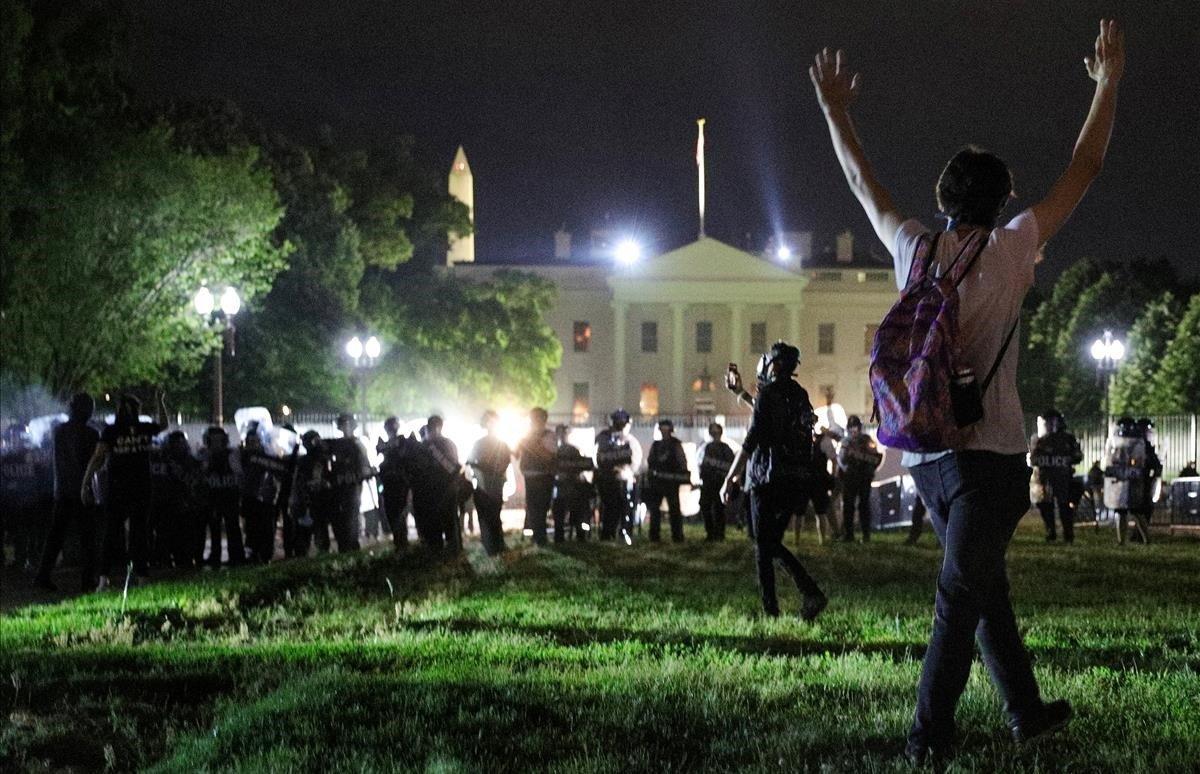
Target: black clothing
x=613, y=457
x=128, y=497
x=25, y=501
x=129, y=446
x=348, y=468
x=395, y=483
x=714, y=467
x=1055, y=456
x=779, y=441
x=771, y=508
x=572, y=494
x=858, y=458
x=668, y=471
x=537, y=457
x=74, y=445
x=490, y=459
x=221, y=484
x=438, y=495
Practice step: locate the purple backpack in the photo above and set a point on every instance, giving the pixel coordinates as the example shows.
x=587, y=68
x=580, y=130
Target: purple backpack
x=923, y=401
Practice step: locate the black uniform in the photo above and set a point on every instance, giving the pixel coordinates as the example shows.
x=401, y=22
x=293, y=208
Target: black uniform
x=857, y=458
x=176, y=518
x=668, y=471
x=537, y=456
x=263, y=475
x=1055, y=456
x=613, y=456
x=715, y=462
x=490, y=459
x=438, y=495
x=395, y=482
x=221, y=484
x=311, y=501
x=128, y=496
x=74, y=444
x=350, y=468
x=572, y=493
x=780, y=447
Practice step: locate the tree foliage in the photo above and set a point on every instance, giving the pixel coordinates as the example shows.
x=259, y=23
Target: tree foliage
x=1132, y=385
x=1176, y=387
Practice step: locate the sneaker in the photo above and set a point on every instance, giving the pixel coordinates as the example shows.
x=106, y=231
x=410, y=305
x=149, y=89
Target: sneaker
x=813, y=605
x=1051, y=717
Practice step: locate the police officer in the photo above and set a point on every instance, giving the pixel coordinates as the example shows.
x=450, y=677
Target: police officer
x=311, y=499
x=618, y=457
x=1153, y=479
x=715, y=458
x=124, y=449
x=572, y=491
x=350, y=468
x=490, y=458
x=535, y=456
x=394, y=482
x=263, y=473
x=1189, y=470
x=221, y=481
x=74, y=444
x=181, y=529
x=446, y=484
x=858, y=457
x=25, y=494
x=1055, y=455
x=823, y=482
x=1127, y=477
x=668, y=471
x=775, y=460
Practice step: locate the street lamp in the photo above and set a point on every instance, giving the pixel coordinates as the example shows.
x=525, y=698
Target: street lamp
x=628, y=252
x=205, y=304
x=364, y=355
x=1108, y=352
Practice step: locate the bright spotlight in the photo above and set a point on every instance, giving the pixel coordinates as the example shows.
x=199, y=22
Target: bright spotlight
x=354, y=348
x=628, y=251
x=783, y=253
x=231, y=302
x=203, y=301
x=372, y=348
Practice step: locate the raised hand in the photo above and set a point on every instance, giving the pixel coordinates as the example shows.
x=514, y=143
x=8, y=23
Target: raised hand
x=837, y=87
x=1108, y=63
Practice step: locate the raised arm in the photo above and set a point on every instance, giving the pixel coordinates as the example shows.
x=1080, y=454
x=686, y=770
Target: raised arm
x=1105, y=68
x=837, y=88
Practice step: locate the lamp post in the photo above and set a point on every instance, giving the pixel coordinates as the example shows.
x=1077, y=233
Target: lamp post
x=209, y=308
x=1108, y=352
x=364, y=355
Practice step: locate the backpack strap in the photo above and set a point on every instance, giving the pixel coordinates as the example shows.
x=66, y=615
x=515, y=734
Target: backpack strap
x=919, y=268
x=983, y=242
x=1003, y=348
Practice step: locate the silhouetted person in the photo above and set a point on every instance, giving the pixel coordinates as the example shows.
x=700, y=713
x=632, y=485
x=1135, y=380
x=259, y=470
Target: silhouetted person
x=74, y=444
x=776, y=458
x=535, y=457
x=1055, y=455
x=490, y=458
x=221, y=484
x=716, y=457
x=394, y=478
x=618, y=458
x=124, y=448
x=572, y=491
x=668, y=471
x=858, y=457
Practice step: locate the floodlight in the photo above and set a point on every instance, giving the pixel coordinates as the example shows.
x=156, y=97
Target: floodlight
x=1116, y=349
x=628, y=251
x=354, y=348
x=1099, y=349
x=783, y=253
x=372, y=347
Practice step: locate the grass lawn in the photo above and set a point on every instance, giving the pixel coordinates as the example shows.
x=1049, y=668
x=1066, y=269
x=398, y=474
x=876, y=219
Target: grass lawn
x=593, y=657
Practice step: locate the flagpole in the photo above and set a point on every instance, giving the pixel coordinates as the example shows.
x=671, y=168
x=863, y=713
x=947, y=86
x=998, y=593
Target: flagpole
x=700, y=169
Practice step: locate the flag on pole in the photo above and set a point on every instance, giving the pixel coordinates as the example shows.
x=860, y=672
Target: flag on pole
x=700, y=169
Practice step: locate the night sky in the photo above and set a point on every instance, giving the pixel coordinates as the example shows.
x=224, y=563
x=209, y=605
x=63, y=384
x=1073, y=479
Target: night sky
x=580, y=112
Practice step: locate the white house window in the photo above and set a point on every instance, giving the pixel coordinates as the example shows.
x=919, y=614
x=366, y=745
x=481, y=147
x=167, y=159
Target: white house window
x=825, y=339
x=704, y=336
x=758, y=337
x=650, y=336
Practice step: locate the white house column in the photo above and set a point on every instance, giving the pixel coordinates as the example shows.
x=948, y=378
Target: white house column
x=793, y=324
x=677, y=338
x=736, y=331
x=620, y=311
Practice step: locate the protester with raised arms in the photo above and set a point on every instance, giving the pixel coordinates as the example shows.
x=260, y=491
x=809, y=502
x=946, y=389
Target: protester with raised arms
x=964, y=443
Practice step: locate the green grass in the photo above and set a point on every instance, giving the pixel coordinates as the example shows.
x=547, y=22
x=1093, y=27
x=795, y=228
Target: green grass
x=593, y=658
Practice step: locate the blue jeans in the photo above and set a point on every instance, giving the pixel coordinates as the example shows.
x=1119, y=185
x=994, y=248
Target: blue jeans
x=975, y=500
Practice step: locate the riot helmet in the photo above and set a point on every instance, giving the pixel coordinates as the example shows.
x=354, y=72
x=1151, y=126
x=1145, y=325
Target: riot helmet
x=81, y=407
x=1127, y=428
x=1055, y=422
x=619, y=419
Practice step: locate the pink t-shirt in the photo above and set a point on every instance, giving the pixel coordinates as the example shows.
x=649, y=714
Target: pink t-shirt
x=990, y=299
